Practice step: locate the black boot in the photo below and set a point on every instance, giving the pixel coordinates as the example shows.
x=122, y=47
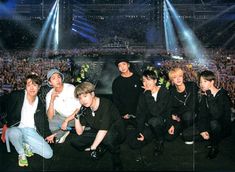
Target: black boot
x=117, y=163
x=159, y=147
x=213, y=152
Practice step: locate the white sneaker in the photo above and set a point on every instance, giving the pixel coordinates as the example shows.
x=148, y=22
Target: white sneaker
x=62, y=139
x=189, y=142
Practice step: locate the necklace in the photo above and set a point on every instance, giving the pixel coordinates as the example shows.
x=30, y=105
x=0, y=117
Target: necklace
x=185, y=95
x=96, y=104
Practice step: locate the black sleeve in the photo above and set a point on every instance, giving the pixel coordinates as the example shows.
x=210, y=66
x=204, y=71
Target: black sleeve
x=162, y=107
x=110, y=112
x=226, y=121
x=116, y=98
x=141, y=113
x=195, y=97
x=8, y=106
x=2, y=110
x=41, y=120
x=3, y=107
x=83, y=120
x=215, y=105
x=46, y=130
x=203, y=115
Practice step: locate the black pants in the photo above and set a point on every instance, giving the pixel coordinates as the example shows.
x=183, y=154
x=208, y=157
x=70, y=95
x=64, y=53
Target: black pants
x=187, y=121
x=114, y=137
x=215, y=130
x=154, y=128
x=130, y=121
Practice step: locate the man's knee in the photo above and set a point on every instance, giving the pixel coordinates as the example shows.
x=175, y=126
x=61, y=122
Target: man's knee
x=215, y=125
x=155, y=122
x=48, y=154
x=14, y=133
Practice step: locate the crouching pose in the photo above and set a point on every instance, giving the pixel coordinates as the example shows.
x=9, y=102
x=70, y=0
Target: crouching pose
x=26, y=122
x=214, y=118
x=106, y=127
x=153, y=114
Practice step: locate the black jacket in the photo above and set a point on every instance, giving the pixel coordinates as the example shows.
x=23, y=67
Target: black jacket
x=191, y=100
x=215, y=108
x=148, y=107
x=11, y=105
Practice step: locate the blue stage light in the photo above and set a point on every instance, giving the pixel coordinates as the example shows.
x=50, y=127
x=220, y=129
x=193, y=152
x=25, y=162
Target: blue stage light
x=192, y=46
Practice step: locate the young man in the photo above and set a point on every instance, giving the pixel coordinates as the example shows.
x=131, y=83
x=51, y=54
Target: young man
x=26, y=122
x=102, y=117
x=126, y=89
x=153, y=113
x=60, y=105
x=214, y=117
x=184, y=104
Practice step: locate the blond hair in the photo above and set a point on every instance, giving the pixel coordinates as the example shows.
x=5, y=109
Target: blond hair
x=84, y=88
x=175, y=71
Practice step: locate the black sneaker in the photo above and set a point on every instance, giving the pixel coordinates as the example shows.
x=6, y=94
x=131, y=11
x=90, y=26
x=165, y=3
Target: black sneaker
x=213, y=152
x=98, y=153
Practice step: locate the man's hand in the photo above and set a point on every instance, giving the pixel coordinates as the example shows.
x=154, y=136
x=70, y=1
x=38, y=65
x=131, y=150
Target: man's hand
x=54, y=95
x=50, y=139
x=175, y=118
x=171, y=130
x=205, y=135
x=126, y=116
x=4, y=129
x=140, y=137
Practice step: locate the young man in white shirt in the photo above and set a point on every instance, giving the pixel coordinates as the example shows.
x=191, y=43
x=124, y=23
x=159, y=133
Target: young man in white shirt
x=26, y=125
x=60, y=105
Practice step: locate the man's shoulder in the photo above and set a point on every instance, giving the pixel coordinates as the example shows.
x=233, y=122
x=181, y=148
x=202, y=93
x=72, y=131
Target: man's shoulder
x=17, y=93
x=119, y=77
x=106, y=100
x=49, y=92
x=117, y=80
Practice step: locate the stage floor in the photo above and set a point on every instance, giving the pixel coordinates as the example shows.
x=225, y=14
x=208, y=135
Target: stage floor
x=177, y=156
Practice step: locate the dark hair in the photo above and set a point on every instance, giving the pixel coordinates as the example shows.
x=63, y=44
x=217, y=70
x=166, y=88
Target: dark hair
x=35, y=79
x=208, y=75
x=121, y=60
x=150, y=74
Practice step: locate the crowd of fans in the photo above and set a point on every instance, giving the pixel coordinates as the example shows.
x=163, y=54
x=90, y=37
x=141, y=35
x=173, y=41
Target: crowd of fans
x=15, y=65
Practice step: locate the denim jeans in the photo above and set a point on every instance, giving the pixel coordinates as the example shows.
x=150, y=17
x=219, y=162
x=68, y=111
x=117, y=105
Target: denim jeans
x=17, y=136
x=55, y=125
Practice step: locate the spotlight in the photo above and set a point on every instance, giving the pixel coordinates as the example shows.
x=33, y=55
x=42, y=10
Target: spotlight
x=191, y=44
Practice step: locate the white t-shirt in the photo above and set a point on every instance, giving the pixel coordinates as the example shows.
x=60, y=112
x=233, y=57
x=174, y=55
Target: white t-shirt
x=27, y=113
x=155, y=96
x=65, y=104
